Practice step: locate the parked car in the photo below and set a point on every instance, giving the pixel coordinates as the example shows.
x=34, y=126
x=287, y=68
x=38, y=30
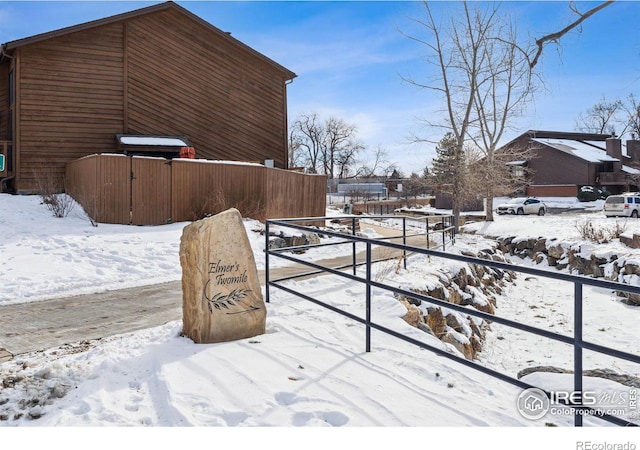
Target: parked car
x=622, y=205
x=523, y=205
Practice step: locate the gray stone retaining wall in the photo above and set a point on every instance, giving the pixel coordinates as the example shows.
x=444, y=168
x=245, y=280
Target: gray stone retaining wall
x=573, y=257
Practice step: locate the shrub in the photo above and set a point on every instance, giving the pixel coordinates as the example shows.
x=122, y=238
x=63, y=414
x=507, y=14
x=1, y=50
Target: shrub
x=592, y=193
x=59, y=204
x=49, y=189
x=602, y=234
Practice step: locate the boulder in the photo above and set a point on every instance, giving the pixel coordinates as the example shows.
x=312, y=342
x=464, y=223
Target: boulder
x=630, y=240
x=556, y=251
x=221, y=293
x=436, y=322
x=540, y=245
x=413, y=316
x=456, y=339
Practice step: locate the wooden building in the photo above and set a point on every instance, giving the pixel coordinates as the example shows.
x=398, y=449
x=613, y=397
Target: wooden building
x=559, y=163
x=156, y=71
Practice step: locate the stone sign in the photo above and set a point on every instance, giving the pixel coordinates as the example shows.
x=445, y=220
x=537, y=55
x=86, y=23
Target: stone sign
x=221, y=295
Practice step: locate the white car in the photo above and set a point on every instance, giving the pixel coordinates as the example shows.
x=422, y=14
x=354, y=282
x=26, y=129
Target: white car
x=623, y=205
x=523, y=205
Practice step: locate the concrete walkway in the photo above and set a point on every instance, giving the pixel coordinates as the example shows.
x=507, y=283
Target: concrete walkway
x=40, y=325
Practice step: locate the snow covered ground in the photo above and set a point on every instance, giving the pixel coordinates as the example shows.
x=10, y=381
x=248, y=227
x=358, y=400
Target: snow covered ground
x=309, y=370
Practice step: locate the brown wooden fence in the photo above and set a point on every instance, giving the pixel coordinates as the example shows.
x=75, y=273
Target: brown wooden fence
x=153, y=191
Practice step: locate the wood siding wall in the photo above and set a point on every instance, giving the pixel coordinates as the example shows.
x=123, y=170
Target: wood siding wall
x=553, y=167
x=550, y=166
x=71, y=97
x=186, y=82
x=4, y=102
x=159, y=73
x=153, y=191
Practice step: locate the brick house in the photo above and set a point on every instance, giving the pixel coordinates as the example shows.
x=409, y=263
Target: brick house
x=559, y=163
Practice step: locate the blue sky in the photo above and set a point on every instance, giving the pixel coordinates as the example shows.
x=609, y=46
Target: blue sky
x=350, y=58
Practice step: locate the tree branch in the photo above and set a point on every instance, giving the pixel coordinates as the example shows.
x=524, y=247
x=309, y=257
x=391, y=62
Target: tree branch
x=540, y=43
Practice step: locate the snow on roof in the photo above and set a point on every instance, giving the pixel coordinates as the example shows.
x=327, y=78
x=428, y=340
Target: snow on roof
x=599, y=144
x=582, y=150
x=153, y=141
x=630, y=170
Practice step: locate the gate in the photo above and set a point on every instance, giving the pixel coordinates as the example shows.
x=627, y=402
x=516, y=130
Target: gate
x=150, y=191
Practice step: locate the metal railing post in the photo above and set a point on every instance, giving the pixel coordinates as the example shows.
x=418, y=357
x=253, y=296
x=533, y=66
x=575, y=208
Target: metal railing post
x=453, y=235
x=427, y=229
x=404, y=240
x=266, y=262
x=368, y=300
x=353, y=233
x=444, y=235
x=577, y=348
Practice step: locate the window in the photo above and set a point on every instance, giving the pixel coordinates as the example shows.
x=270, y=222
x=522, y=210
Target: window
x=517, y=171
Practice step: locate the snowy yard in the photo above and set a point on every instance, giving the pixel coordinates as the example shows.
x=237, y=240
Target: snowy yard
x=309, y=369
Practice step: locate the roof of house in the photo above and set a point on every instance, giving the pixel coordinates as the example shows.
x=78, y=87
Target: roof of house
x=590, y=147
x=587, y=150
x=9, y=46
x=571, y=135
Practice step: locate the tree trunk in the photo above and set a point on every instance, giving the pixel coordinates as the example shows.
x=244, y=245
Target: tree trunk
x=489, y=205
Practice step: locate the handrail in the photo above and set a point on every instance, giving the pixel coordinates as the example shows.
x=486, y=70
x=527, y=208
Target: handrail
x=578, y=281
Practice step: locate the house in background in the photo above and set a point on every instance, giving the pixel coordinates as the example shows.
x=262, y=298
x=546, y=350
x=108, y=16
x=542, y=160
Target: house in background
x=557, y=163
x=158, y=72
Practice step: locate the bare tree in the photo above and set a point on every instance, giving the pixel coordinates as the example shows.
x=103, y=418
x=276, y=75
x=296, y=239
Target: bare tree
x=341, y=147
x=324, y=146
x=295, y=154
x=415, y=185
x=615, y=117
x=484, y=76
x=307, y=134
x=457, y=53
x=632, y=112
x=603, y=117
x=380, y=165
x=505, y=87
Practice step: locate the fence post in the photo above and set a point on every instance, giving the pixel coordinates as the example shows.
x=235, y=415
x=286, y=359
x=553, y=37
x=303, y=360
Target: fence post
x=368, y=300
x=577, y=348
x=427, y=230
x=404, y=240
x=266, y=261
x=444, y=235
x=453, y=234
x=353, y=244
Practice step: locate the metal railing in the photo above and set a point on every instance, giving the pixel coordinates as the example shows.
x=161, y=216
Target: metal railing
x=577, y=341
